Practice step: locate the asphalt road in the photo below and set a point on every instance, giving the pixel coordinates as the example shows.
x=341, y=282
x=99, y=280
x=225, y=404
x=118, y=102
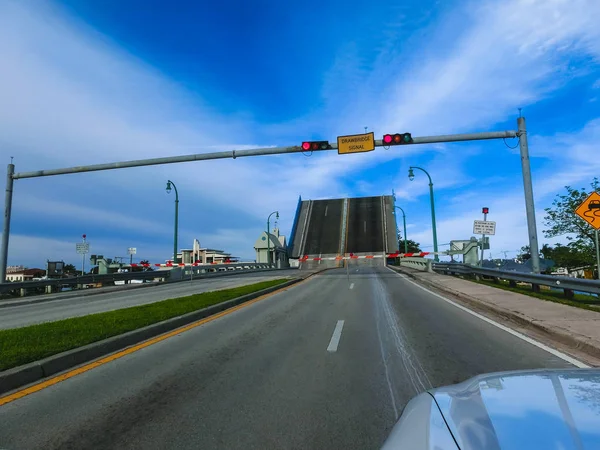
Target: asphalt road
x=365, y=226
x=29, y=314
x=276, y=374
x=323, y=235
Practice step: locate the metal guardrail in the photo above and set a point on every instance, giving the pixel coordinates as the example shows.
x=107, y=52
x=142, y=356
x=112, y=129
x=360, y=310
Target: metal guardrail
x=225, y=267
x=569, y=284
x=171, y=275
x=85, y=280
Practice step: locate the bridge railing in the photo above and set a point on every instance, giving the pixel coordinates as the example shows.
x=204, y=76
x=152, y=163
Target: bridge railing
x=55, y=283
x=161, y=276
x=568, y=284
x=423, y=264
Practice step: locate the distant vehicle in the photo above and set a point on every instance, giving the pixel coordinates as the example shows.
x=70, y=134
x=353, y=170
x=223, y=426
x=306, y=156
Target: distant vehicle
x=542, y=409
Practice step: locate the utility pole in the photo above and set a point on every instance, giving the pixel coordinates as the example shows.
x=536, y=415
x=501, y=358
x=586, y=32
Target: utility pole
x=6, y=227
x=528, y=188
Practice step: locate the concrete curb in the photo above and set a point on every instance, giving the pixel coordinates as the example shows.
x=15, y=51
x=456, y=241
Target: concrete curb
x=97, y=291
x=574, y=342
x=19, y=376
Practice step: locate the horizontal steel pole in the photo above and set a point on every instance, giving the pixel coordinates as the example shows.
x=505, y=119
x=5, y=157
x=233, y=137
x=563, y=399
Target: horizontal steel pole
x=465, y=137
x=245, y=153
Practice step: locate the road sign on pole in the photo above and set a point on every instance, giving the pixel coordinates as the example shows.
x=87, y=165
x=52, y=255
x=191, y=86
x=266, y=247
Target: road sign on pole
x=82, y=248
x=356, y=143
x=484, y=227
x=589, y=210
x=131, y=251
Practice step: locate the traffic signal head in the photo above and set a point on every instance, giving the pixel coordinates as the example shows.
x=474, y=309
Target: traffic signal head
x=485, y=210
x=397, y=139
x=315, y=145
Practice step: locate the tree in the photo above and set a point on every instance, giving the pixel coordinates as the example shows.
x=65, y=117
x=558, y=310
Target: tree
x=69, y=268
x=569, y=256
x=413, y=247
x=562, y=220
x=546, y=251
x=525, y=254
x=140, y=268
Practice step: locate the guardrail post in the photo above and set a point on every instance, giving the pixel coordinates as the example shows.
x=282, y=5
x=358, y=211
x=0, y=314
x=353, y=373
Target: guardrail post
x=535, y=287
x=49, y=289
x=22, y=292
x=429, y=268
x=512, y=283
x=569, y=293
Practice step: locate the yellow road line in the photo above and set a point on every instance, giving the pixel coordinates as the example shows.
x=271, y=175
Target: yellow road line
x=72, y=373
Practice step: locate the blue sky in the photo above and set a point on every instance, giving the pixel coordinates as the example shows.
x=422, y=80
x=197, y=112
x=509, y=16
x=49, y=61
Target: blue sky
x=85, y=82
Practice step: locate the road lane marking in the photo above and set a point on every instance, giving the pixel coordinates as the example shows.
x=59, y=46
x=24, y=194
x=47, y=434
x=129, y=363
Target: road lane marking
x=351, y=285
x=87, y=367
x=335, y=339
x=531, y=341
x=387, y=371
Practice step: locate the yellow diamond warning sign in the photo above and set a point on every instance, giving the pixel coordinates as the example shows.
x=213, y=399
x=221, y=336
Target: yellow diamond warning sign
x=356, y=143
x=589, y=210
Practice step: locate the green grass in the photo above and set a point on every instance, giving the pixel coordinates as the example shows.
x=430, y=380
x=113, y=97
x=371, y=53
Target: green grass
x=23, y=345
x=578, y=301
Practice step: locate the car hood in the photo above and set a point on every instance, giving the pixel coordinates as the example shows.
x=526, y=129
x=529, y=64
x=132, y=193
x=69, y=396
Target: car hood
x=549, y=409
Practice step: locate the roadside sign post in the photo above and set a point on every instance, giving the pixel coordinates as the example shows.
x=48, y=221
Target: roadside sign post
x=484, y=227
x=485, y=211
x=83, y=248
x=597, y=254
x=589, y=211
x=131, y=251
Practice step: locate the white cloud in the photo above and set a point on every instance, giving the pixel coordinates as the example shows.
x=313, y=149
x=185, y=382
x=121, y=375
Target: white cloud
x=33, y=251
x=31, y=206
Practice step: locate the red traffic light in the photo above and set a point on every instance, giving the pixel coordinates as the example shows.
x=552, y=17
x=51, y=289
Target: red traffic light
x=397, y=139
x=315, y=145
x=485, y=210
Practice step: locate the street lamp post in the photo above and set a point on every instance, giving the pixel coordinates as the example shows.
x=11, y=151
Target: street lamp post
x=269, y=236
x=411, y=176
x=169, y=185
x=404, y=222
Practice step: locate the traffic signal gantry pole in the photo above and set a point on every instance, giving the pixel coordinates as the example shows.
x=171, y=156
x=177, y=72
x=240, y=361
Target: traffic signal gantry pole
x=521, y=133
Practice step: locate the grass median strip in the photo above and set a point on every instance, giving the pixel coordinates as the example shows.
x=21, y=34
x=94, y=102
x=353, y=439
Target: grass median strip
x=27, y=344
x=557, y=296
